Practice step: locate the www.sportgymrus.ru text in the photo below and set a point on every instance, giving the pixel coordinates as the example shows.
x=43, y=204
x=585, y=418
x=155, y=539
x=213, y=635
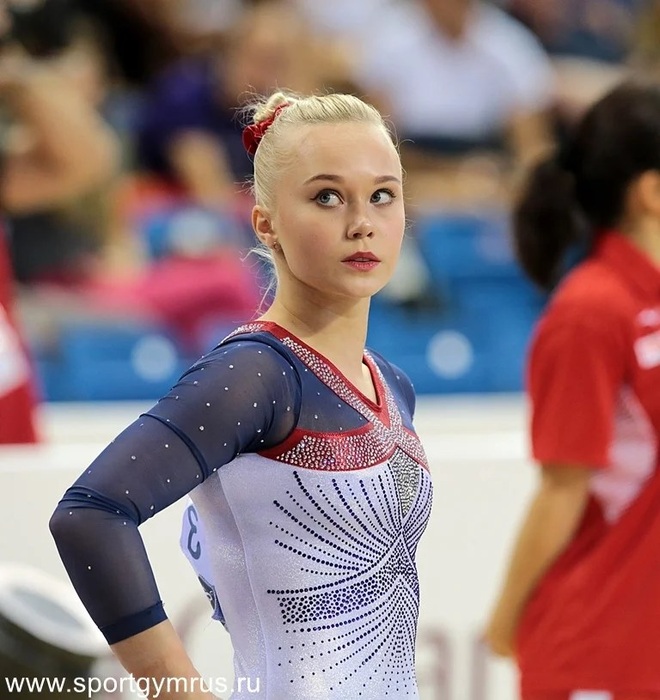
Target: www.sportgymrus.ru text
x=151, y=688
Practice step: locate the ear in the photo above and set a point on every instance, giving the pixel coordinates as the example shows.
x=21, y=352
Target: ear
x=648, y=192
x=261, y=223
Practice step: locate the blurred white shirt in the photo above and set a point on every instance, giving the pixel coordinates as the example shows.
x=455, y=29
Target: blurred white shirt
x=438, y=86
x=346, y=18
x=210, y=15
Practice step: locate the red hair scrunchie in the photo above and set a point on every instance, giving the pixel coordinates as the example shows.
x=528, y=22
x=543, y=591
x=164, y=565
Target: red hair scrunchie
x=253, y=133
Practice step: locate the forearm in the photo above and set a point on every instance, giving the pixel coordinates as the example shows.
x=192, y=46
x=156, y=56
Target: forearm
x=158, y=658
x=551, y=522
x=552, y=519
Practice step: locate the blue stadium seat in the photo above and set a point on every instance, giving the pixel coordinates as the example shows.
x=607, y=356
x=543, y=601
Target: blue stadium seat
x=476, y=348
x=189, y=230
x=439, y=353
x=472, y=265
x=111, y=362
x=509, y=309
x=52, y=379
x=465, y=245
x=493, y=292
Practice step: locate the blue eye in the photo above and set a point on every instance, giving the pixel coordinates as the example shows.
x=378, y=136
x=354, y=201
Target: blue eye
x=384, y=196
x=327, y=198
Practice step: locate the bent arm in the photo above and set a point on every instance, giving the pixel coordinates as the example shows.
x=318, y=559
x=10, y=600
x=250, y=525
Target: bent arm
x=72, y=149
x=227, y=404
x=552, y=520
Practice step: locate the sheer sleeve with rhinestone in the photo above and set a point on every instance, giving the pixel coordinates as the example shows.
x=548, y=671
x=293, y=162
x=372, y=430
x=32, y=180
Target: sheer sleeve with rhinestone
x=242, y=397
x=402, y=388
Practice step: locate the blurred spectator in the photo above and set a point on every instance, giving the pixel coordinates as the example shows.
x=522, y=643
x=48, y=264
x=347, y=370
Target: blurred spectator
x=196, y=296
x=594, y=29
x=61, y=243
x=190, y=133
x=588, y=41
x=171, y=250
x=56, y=148
x=460, y=78
x=582, y=571
x=204, y=22
x=142, y=35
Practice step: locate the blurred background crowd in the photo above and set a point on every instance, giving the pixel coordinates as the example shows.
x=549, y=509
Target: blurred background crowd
x=121, y=286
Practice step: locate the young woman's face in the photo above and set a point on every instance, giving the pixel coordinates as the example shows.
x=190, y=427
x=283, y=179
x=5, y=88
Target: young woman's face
x=338, y=210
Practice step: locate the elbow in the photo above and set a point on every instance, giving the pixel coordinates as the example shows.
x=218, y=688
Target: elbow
x=69, y=524
x=61, y=525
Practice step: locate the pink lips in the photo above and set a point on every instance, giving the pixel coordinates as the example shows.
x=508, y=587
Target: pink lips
x=362, y=261
x=365, y=256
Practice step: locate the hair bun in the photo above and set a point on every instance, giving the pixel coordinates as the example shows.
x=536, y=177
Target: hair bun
x=253, y=133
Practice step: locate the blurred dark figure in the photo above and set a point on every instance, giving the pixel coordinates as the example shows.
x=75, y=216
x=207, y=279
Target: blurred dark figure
x=190, y=135
x=54, y=147
x=467, y=87
x=141, y=35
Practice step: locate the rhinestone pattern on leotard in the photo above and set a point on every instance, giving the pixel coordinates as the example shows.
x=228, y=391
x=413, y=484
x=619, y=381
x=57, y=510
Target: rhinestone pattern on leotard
x=348, y=616
x=355, y=449
x=361, y=616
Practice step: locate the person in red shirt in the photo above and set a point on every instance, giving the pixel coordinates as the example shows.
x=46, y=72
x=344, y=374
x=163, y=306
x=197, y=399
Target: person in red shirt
x=579, y=608
x=70, y=150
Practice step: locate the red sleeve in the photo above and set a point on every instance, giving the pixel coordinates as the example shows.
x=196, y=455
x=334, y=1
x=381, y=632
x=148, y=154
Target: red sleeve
x=576, y=371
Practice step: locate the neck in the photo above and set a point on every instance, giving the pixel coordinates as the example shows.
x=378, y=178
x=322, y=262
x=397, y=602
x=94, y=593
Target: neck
x=338, y=332
x=452, y=22
x=645, y=236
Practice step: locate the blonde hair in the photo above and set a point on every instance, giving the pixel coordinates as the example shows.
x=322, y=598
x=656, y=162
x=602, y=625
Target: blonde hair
x=289, y=111
x=271, y=154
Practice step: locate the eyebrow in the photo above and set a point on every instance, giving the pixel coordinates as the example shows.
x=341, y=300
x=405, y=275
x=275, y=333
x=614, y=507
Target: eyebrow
x=338, y=178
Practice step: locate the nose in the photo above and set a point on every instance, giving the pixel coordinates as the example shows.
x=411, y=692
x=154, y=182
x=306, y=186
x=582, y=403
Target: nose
x=360, y=227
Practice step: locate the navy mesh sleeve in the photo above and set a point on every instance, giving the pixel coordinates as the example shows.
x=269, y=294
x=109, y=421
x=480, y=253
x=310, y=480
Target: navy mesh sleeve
x=406, y=388
x=402, y=387
x=243, y=397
